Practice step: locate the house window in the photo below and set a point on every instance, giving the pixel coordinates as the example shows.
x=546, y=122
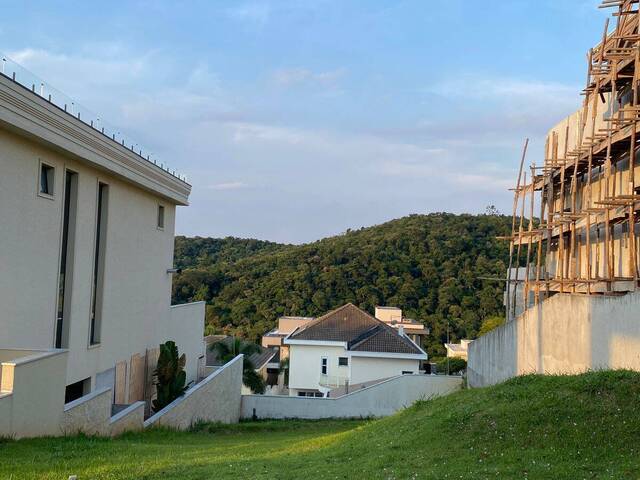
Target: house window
x=407, y=372
x=161, y=217
x=98, y=262
x=47, y=177
x=66, y=258
x=343, y=361
x=323, y=365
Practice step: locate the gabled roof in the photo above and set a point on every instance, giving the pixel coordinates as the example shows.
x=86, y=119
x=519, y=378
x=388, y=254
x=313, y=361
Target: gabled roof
x=258, y=359
x=359, y=330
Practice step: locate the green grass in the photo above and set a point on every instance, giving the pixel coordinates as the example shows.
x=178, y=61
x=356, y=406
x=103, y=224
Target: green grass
x=569, y=427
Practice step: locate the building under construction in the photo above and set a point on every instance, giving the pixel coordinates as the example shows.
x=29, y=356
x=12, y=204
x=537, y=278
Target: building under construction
x=574, y=244
x=575, y=214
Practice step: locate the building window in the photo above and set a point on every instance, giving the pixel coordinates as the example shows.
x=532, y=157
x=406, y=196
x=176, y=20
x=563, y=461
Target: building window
x=323, y=365
x=407, y=372
x=343, y=361
x=98, y=262
x=47, y=180
x=161, y=217
x=66, y=258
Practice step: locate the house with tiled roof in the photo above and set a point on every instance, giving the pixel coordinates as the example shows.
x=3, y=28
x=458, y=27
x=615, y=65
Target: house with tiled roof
x=347, y=346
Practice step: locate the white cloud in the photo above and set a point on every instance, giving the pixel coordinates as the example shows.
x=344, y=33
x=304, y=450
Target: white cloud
x=228, y=186
x=506, y=90
x=288, y=77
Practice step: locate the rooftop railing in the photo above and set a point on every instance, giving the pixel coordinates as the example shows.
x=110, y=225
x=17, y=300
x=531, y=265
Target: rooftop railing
x=23, y=77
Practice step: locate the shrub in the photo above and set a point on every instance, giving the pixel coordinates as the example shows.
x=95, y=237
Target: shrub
x=170, y=377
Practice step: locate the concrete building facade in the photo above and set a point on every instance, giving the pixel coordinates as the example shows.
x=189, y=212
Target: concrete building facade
x=86, y=251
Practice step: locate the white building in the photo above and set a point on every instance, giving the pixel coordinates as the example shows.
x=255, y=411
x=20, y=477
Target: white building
x=392, y=316
x=347, y=347
x=86, y=258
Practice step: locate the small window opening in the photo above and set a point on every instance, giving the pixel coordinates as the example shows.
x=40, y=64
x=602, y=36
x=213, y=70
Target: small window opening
x=160, y=216
x=46, y=179
x=343, y=361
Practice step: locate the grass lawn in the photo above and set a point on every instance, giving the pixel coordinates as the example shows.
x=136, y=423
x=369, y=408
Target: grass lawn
x=570, y=427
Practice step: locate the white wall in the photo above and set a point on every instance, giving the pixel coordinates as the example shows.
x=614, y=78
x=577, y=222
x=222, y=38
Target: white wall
x=365, y=369
x=215, y=399
x=304, y=365
x=186, y=323
x=34, y=403
x=137, y=288
x=378, y=400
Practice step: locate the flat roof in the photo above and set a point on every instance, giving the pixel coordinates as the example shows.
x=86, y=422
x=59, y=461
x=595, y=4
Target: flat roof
x=37, y=117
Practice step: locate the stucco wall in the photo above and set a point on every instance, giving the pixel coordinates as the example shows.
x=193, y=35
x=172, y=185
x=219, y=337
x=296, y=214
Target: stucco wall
x=304, y=365
x=136, y=312
x=379, y=400
x=564, y=334
x=33, y=404
x=89, y=414
x=365, y=369
x=215, y=399
x=185, y=326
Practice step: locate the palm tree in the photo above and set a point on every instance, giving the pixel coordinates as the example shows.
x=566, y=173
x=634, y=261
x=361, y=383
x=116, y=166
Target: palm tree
x=226, y=353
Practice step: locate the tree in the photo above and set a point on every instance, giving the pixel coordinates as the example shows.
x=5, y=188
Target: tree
x=490, y=323
x=170, y=376
x=226, y=353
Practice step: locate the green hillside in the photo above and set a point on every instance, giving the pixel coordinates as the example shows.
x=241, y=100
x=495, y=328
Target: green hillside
x=567, y=427
x=429, y=265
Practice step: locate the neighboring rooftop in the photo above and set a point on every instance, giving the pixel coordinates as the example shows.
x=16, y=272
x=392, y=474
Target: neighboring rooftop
x=361, y=332
x=258, y=359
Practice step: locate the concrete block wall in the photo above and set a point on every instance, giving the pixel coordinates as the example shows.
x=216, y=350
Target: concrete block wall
x=565, y=334
x=379, y=400
x=215, y=399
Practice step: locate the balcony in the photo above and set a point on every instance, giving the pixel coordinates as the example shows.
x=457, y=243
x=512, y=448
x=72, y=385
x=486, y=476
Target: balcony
x=333, y=381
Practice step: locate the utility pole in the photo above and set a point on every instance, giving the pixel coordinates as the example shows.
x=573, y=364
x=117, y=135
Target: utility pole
x=447, y=344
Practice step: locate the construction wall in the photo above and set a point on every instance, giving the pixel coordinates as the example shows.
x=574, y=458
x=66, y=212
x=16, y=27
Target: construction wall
x=564, y=334
x=379, y=400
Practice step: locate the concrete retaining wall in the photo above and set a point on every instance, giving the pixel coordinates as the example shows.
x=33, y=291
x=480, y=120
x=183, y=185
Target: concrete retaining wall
x=89, y=414
x=564, y=334
x=129, y=419
x=378, y=400
x=215, y=399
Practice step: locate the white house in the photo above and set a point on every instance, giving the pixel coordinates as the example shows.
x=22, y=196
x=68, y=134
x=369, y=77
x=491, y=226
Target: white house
x=86, y=263
x=347, y=346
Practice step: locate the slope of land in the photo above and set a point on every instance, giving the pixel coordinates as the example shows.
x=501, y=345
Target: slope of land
x=566, y=427
x=432, y=266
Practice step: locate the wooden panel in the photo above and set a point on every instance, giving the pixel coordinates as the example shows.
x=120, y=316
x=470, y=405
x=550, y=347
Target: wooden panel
x=121, y=382
x=150, y=389
x=136, y=378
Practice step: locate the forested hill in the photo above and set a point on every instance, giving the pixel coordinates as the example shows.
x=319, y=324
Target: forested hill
x=429, y=265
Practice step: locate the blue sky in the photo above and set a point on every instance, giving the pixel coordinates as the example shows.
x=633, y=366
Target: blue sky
x=295, y=120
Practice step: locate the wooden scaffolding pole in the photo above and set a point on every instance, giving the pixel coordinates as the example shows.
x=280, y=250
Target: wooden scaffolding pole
x=513, y=229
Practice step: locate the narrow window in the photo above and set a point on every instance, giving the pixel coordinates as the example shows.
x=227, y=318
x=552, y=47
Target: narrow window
x=343, y=361
x=407, y=372
x=160, y=217
x=323, y=365
x=46, y=179
x=98, y=262
x=66, y=258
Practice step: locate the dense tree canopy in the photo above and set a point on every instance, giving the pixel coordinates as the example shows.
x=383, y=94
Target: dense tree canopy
x=432, y=266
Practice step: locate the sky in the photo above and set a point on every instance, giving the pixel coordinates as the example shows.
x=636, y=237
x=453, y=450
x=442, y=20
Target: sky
x=299, y=119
